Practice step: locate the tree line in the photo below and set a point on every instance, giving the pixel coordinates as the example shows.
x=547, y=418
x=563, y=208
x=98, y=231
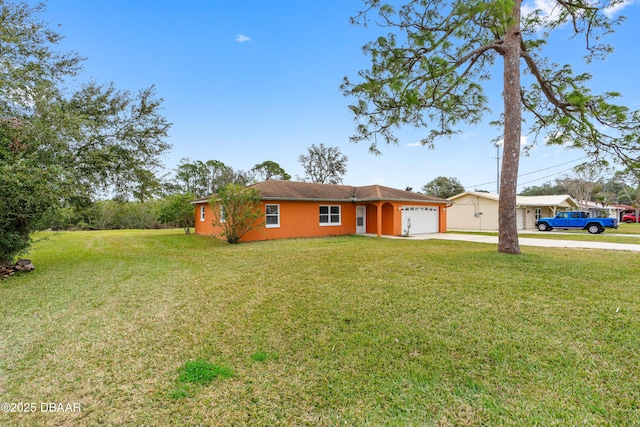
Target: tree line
x=587, y=182
x=66, y=145
x=87, y=154
x=321, y=164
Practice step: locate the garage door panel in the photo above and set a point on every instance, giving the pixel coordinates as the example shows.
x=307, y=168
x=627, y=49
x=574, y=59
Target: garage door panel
x=423, y=219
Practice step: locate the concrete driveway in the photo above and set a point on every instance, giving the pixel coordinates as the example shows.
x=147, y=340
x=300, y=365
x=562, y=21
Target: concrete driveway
x=529, y=241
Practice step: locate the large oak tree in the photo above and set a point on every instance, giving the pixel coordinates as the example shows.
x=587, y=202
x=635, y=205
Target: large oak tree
x=61, y=147
x=430, y=70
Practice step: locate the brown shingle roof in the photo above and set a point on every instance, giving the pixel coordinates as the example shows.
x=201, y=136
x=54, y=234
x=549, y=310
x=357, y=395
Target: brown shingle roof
x=379, y=192
x=306, y=191
x=289, y=190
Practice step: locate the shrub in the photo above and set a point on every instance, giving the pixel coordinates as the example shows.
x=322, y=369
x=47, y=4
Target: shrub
x=236, y=210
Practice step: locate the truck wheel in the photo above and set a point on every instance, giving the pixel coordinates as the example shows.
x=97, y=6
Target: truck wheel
x=543, y=226
x=594, y=229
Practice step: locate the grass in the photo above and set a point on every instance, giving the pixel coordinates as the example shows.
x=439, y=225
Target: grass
x=366, y=332
x=261, y=356
x=628, y=228
x=199, y=372
x=625, y=233
x=202, y=372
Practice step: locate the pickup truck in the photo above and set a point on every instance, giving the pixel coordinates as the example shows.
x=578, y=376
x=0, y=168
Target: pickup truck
x=581, y=220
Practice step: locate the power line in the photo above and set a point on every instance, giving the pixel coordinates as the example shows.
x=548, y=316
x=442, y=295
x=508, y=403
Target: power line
x=551, y=167
x=545, y=177
x=536, y=171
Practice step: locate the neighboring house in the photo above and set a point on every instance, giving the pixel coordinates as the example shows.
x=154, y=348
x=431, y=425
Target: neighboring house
x=302, y=209
x=596, y=210
x=625, y=209
x=479, y=211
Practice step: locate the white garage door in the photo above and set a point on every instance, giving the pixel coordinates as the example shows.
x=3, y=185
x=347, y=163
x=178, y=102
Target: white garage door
x=419, y=219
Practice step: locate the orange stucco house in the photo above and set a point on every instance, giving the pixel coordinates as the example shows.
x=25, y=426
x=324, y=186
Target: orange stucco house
x=302, y=209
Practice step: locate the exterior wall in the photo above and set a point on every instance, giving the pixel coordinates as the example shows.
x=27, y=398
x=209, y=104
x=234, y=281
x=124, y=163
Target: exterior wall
x=530, y=215
x=442, y=219
x=297, y=219
x=203, y=227
x=465, y=213
x=472, y=212
x=392, y=217
x=372, y=218
x=391, y=222
x=301, y=219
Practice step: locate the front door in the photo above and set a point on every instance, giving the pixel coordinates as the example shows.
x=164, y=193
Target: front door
x=361, y=219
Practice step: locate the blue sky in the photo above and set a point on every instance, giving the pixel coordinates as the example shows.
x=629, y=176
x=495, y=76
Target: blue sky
x=246, y=81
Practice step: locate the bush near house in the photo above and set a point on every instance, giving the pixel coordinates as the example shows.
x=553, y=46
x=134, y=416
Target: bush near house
x=236, y=211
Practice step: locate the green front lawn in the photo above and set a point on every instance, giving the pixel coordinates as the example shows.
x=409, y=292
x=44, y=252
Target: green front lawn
x=161, y=328
x=610, y=236
x=625, y=228
x=625, y=233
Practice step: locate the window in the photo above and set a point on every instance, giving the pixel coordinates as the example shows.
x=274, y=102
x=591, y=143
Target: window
x=538, y=214
x=222, y=213
x=201, y=213
x=272, y=217
x=563, y=215
x=329, y=215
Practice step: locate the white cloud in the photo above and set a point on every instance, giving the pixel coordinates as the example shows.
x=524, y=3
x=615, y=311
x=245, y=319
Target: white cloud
x=547, y=7
x=414, y=144
x=612, y=11
x=551, y=9
x=242, y=38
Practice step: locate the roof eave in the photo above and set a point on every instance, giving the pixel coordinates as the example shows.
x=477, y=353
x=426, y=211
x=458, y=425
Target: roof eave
x=305, y=199
x=438, y=202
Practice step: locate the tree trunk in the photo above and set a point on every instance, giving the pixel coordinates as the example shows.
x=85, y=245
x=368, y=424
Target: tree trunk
x=507, y=223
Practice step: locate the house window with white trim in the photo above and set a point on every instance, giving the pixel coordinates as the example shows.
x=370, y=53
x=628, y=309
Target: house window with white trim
x=538, y=213
x=330, y=215
x=201, y=213
x=272, y=216
x=222, y=214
